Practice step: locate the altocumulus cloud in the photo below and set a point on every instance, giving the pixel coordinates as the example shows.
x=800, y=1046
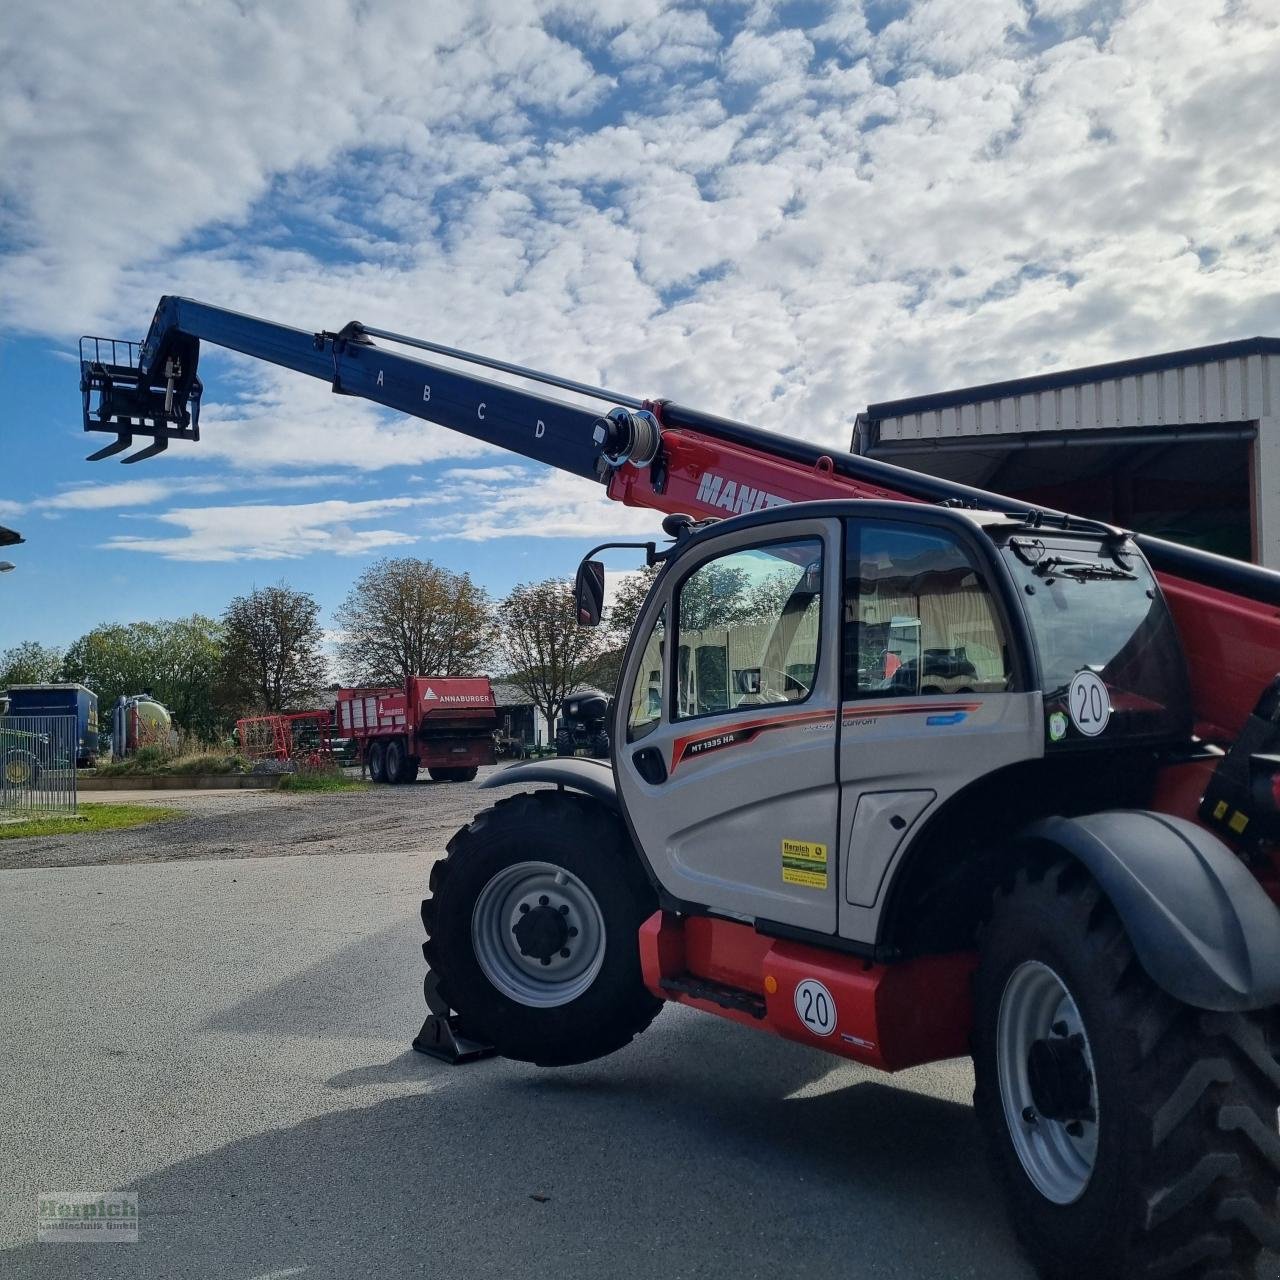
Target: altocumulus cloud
x=778, y=222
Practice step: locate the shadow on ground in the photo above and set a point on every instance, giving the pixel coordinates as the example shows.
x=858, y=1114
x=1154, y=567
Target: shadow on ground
x=682, y=1156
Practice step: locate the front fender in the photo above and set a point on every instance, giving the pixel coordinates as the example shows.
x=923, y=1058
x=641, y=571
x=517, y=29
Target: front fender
x=594, y=777
x=1202, y=927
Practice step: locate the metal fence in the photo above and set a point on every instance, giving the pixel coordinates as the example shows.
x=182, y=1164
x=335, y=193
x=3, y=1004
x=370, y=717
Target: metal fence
x=38, y=764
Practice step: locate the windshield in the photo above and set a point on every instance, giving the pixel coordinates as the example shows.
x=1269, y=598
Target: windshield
x=1092, y=611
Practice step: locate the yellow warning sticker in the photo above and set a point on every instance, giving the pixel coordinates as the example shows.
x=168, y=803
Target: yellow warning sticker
x=804, y=863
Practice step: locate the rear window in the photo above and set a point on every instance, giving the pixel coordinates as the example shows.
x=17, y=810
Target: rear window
x=1093, y=609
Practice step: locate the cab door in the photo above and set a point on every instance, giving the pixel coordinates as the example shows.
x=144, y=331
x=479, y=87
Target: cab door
x=725, y=731
x=936, y=690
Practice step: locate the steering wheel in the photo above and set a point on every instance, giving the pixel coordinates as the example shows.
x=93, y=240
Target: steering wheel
x=771, y=693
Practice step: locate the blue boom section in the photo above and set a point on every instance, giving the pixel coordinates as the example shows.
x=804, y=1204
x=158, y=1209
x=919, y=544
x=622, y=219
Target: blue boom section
x=156, y=391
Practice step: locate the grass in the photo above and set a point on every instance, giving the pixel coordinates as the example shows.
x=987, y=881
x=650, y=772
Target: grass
x=150, y=760
x=92, y=817
x=320, y=782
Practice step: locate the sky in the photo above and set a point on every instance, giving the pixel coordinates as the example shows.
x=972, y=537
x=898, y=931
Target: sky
x=779, y=212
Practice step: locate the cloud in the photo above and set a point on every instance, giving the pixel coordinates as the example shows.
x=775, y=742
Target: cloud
x=9, y=509
x=818, y=218
x=543, y=505
x=273, y=532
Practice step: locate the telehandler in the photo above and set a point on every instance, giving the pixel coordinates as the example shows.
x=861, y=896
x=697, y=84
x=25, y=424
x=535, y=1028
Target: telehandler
x=901, y=770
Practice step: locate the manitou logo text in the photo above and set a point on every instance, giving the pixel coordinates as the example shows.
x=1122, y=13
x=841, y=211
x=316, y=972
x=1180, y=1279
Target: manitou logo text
x=716, y=491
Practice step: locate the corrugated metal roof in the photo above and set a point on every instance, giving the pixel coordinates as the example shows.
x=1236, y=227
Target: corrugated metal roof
x=1169, y=360
x=1232, y=382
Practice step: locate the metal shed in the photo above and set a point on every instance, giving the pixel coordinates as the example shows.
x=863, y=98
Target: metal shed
x=1185, y=444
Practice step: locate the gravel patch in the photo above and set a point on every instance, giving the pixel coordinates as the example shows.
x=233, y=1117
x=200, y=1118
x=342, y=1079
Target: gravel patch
x=260, y=824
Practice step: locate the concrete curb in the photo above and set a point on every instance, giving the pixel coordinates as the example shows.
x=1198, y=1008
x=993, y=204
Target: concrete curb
x=182, y=782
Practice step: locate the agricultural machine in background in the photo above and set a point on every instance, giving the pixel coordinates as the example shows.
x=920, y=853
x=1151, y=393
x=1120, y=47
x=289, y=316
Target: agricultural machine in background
x=967, y=778
x=304, y=739
x=445, y=725
x=138, y=721
x=583, y=727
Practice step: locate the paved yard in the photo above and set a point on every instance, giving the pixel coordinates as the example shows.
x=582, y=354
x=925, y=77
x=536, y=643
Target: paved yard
x=255, y=824
x=229, y=1038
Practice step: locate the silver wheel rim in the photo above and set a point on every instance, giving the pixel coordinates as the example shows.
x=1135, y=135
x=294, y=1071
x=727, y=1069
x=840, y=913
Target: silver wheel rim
x=1057, y=1155
x=541, y=982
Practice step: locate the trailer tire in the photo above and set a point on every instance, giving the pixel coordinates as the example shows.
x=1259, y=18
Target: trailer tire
x=378, y=762
x=1185, y=1158
x=585, y=1006
x=395, y=761
x=409, y=774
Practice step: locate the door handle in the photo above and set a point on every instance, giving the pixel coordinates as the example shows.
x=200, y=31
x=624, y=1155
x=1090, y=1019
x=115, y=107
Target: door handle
x=650, y=765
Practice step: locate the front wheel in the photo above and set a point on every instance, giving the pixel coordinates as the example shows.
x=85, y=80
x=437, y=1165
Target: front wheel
x=1134, y=1136
x=533, y=928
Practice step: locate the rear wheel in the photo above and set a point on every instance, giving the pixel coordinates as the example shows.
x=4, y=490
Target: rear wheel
x=533, y=928
x=378, y=762
x=395, y=760
x=1134, y=1136
x=564, y=742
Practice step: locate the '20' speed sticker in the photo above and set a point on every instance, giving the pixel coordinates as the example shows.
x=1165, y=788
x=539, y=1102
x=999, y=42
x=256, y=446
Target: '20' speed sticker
x=815, y=1007
x=1088, y=703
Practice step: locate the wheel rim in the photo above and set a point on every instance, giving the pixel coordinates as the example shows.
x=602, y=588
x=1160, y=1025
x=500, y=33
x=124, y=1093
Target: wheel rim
x=1048, y=1084
x=17, y=773
x=538, y=934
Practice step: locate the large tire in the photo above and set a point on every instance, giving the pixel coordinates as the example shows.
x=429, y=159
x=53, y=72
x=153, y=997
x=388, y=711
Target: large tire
x=564, y=742
x=467, y=774
x=21, y=770
x=600, y=745
x=396, y=759
x=378, y=762
x=1185, y=1164
x=409, y=774
x=562, y=1009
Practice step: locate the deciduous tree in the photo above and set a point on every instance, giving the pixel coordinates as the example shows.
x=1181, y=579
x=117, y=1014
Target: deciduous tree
x=548, y=652
x=406, y=617
x=272, y=660
x=29, y=663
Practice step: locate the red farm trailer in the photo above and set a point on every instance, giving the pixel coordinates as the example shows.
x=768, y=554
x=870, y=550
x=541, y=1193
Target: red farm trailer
x=443, y=724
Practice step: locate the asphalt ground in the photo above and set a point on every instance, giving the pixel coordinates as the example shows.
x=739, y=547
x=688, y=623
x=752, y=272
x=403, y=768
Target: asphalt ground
x=228, y=1036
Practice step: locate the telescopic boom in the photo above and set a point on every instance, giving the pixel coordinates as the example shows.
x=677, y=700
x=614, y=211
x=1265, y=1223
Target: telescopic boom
x=649, y=453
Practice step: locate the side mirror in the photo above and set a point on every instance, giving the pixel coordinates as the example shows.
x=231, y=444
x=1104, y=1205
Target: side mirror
x=588, y=592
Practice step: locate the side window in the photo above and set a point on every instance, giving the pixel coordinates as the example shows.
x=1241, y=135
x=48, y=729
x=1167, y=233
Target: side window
x=747, y=628
x=646, y=692
x=918, y=616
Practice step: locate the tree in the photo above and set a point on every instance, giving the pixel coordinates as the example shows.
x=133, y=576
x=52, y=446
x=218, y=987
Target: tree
x=29, y=663
x=176, y=661
x=550, y=655
x=407, y=617
x=271, y=658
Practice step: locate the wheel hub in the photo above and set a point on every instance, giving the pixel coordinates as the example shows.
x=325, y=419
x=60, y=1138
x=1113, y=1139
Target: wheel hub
x=1060, y=1079
x=1048, y=1084
x=541, y=932
x=538, y=934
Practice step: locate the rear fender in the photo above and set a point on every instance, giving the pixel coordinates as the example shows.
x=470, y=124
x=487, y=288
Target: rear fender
x=593, y=777
x=1203, y=928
